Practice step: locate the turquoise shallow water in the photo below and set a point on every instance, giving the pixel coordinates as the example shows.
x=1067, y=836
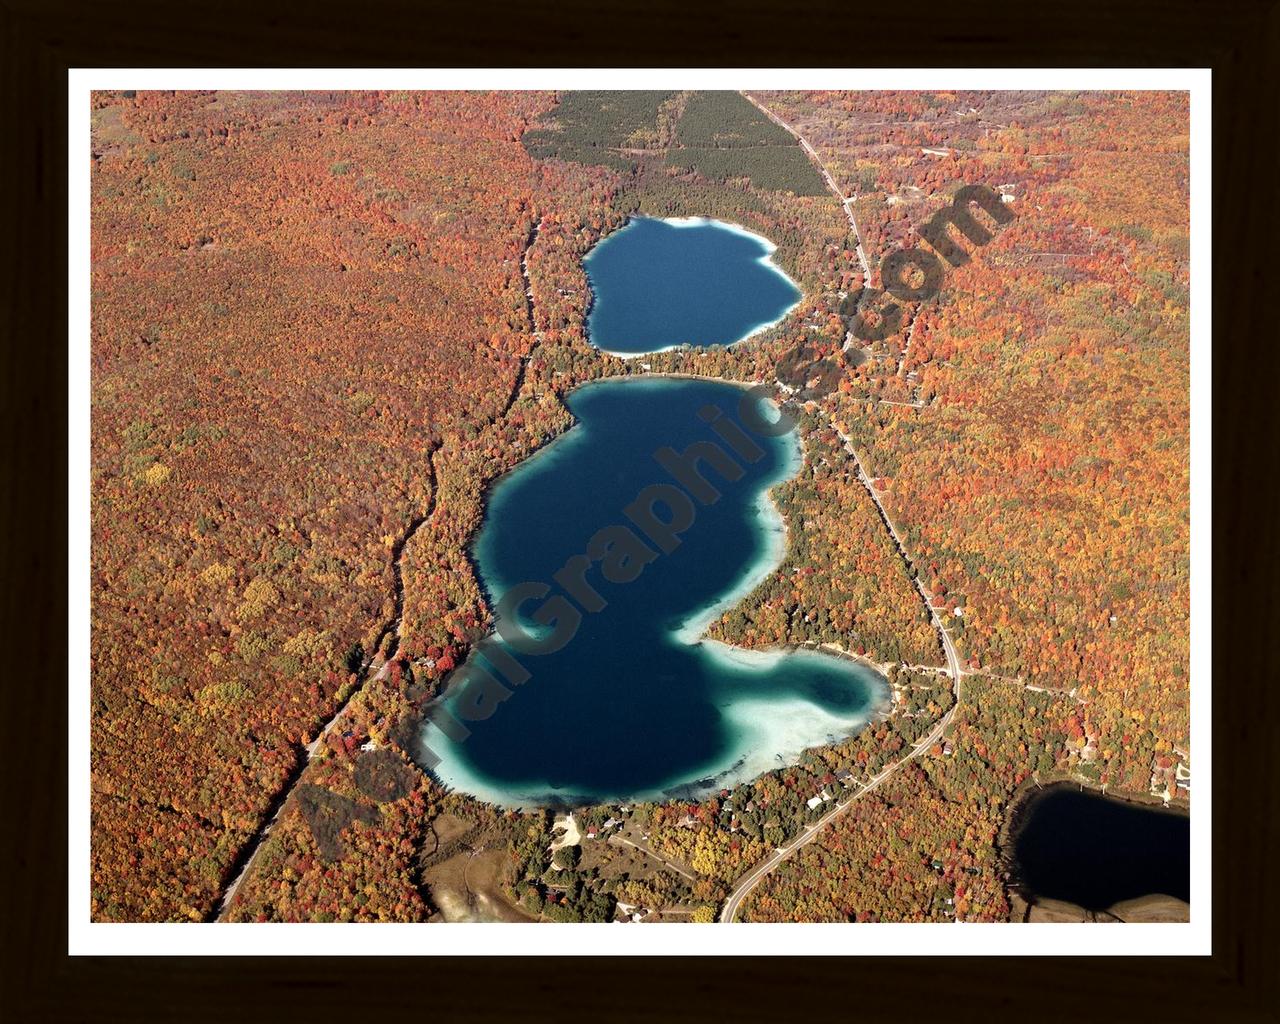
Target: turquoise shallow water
x=633, y=705
x=656, y=284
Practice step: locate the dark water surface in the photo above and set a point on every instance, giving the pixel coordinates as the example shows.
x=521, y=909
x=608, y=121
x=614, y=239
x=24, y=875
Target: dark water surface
x=634, y=706
x=656, y=284
x=1095, y=851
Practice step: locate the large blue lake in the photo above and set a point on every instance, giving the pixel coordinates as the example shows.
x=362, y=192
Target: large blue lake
x=656, y=284
x=634, y=705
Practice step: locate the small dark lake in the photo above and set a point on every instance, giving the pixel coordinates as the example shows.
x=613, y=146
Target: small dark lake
x=656, y=284
x=1096, y=851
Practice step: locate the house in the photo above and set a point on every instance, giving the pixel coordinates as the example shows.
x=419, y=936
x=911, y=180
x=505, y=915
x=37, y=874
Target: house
x=813, y=801
x=845, y=777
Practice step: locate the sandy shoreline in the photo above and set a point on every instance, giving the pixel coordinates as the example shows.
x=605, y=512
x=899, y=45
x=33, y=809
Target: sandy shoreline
x=777, y=543
x=791, y=724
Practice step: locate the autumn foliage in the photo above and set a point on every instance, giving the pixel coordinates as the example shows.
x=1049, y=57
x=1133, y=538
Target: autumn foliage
x=324, y=323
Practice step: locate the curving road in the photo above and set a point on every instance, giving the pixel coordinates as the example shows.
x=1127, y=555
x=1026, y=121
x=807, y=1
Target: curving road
x=393, y=628
x=752, y=878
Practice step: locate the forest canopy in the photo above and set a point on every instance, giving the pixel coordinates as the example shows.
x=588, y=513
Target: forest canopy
x=324, y=323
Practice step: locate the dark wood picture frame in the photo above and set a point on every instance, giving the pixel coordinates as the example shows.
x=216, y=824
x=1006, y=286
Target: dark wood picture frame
x=1239, y=39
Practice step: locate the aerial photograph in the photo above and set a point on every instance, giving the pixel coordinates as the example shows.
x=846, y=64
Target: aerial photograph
x=639, y=506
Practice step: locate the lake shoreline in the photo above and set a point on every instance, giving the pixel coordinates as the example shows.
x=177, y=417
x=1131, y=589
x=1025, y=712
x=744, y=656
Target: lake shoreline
x=869, y=676
x=764, y=260
x=1025, y=903
x=621, y=374
x=1030, y=789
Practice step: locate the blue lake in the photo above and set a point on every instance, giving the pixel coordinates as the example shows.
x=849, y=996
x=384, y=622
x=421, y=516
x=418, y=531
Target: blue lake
x=656, y=284
x=634, y=705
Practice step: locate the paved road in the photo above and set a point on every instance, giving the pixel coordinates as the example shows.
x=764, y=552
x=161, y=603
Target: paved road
x=396, y=624
x=845, y=204
x=753, y=877
x=312, y=749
